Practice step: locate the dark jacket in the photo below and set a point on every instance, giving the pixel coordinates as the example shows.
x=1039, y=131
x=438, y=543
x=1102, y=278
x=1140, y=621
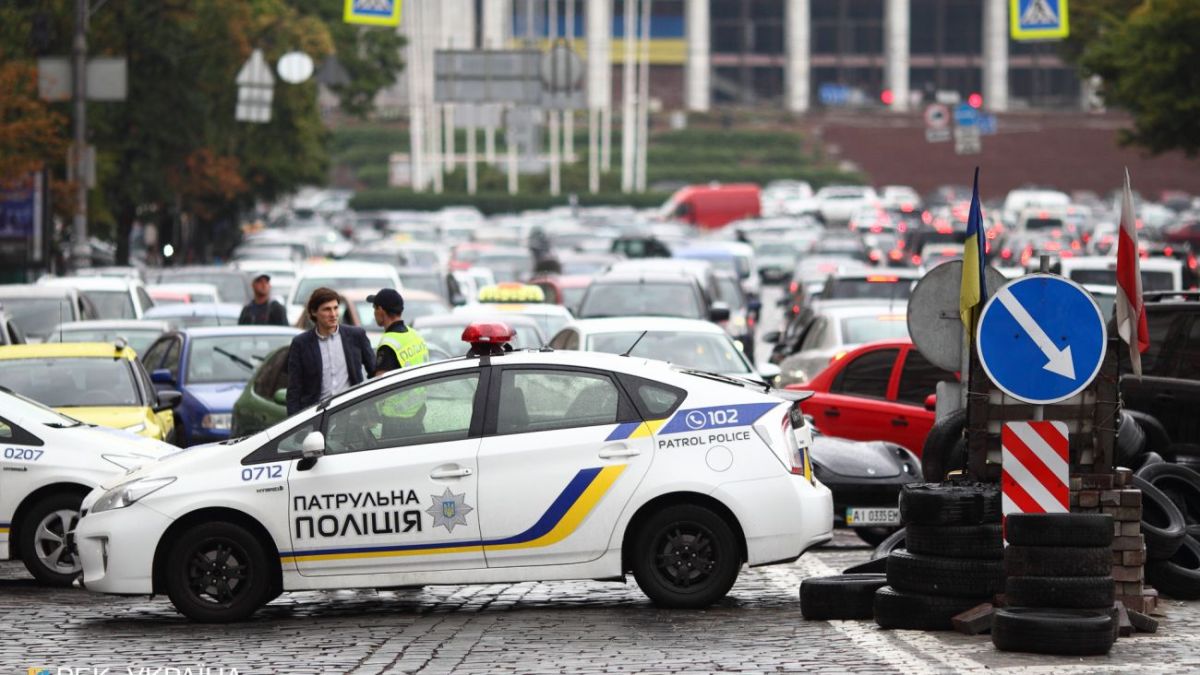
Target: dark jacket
x=304, y=365
x=276, y=315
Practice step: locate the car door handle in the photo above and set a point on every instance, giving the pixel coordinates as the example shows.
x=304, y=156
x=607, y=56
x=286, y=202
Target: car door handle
x=899, y=422
x=455, y=472
x=618, y=451
x=832, y=412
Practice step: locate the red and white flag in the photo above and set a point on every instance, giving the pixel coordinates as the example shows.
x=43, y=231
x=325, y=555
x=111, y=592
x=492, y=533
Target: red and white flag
x=1131, y=313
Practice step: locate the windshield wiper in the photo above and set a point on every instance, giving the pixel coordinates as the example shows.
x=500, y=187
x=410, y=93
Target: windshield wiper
x=728, y=379
x=235, y=358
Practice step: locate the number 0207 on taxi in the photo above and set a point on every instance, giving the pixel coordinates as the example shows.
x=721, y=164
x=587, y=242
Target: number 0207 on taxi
x=502, y=466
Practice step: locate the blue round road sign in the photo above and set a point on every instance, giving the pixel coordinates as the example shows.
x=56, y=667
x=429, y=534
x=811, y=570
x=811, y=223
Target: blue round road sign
x=1041, y=338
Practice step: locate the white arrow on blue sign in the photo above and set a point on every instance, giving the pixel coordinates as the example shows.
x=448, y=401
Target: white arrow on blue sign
x=1041, y=338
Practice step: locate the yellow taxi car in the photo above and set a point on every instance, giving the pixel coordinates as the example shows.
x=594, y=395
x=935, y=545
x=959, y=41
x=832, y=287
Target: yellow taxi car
x=99, y=383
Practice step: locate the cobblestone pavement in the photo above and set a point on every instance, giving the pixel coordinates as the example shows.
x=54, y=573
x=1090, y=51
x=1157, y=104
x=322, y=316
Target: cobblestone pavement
x=561, y=627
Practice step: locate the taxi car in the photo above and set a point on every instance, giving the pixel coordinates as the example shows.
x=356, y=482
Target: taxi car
x=49, y=462
x=501, y=466
x=98, y=383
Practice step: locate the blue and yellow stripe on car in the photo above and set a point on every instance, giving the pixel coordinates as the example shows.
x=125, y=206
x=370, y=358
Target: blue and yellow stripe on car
x=559, y=521
x=635, y=430
x=5, y=527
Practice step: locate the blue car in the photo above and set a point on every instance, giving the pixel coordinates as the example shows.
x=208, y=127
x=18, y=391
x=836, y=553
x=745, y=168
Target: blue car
x=210, y=366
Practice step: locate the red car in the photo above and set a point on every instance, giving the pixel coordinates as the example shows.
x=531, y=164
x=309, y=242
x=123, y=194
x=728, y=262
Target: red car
x=876, y=392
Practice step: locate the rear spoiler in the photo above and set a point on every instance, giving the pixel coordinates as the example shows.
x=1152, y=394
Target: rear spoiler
x=793, y=395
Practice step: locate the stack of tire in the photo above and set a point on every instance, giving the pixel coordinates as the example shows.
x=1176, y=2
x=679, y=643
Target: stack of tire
x=1059, y=591
x=952, y=560
x=1171, y=527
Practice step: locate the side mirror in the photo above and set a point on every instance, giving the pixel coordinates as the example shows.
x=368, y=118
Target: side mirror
x=718, y=312
x=168, y=399
x=313, y=445
x=162, y=376
x=931, y=402
x=771, y=336
x=280, y=396
x=769, y=371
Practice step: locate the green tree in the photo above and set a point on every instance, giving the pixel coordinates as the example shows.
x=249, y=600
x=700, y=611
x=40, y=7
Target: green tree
x=1147, y=59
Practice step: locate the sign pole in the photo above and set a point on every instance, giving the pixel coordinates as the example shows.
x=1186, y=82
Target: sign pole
x=471, y=174
x=643, y=135
x=1039, y=411
x=80, y=249
x=593, y=158
x=510, y=143
x=628, y=100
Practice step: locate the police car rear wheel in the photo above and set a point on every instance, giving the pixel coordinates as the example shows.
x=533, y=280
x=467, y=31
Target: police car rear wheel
x=218, y=572
x=685, y=557
x=45, y=540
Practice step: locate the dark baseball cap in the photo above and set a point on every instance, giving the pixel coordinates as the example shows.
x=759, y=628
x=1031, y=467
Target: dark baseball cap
x=389, y=300
x=262, y=277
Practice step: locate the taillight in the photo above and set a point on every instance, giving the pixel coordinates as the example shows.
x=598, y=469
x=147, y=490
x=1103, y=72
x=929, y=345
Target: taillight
x=793, y=287
x=799, y=462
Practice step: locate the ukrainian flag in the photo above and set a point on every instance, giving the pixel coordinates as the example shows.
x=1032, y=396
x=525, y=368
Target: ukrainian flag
x=973, y=288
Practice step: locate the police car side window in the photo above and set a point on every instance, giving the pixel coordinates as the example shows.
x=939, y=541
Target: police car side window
x=429, y=411
x=544, y=400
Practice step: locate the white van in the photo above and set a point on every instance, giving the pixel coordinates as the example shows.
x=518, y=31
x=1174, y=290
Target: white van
x=1019, y=200
x=1158, y=274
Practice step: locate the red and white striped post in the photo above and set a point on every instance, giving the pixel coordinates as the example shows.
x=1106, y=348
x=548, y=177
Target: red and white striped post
x=1035, y=460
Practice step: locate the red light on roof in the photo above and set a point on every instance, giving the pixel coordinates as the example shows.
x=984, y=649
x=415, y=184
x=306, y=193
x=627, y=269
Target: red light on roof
x=488, y=333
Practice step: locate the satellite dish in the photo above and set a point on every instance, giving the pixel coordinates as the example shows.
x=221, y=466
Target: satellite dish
x=295, y=67
x=933, y=320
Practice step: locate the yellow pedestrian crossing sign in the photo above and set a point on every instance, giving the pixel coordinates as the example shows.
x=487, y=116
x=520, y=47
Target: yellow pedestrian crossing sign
x=373, y=12
x=1038, y=19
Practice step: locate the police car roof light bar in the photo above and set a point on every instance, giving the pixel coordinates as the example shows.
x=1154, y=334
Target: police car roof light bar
x=491, y=332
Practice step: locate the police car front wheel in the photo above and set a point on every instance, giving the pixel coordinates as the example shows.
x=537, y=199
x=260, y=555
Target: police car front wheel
x=45, y=539
x=218, y=572
x=685, y=557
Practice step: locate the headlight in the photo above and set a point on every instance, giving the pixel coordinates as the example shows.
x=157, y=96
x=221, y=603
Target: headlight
x=217, y=421
x=128, y=493
x=137, y=428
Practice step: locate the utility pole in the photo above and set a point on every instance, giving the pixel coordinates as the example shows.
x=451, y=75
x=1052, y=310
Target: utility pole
x=643, y=136
x=628, y=99
x=81, y=251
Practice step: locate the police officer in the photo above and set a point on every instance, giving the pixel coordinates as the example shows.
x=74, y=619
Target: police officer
x=401, y=346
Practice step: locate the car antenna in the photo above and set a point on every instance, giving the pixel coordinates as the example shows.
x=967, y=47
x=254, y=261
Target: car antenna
x=635, y=343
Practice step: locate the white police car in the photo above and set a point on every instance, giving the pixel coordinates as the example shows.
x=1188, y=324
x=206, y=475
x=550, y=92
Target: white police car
x=48, y=463
x=504, y=466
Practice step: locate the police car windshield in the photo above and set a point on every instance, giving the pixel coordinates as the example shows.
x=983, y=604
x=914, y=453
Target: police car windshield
x=72, y=382
x=17, y=405
x=635, y=299
x=710, y=352
x=229, y=358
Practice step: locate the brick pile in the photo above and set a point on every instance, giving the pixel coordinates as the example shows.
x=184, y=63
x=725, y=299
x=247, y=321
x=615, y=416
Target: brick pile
x=1109, y=493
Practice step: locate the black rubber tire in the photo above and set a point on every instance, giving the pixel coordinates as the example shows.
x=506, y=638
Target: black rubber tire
x=1178, y=577
x=916, y=611
x=1058, y=561
x=892, y=543
x=872, y=566
x=1060, y=592
x=1053, y=631
x=1131, y=440
x=939, y=444
x=874, y=536
x=949, y=504
x=1163, y=524
x=691, y=525
x=844, y=596
x=1157, y=438
x=1059, y=529
x=209, y=540
x=1181, y=484
x=27, y=545
x=956, y=541
x=954, y=577
x=1144, y=460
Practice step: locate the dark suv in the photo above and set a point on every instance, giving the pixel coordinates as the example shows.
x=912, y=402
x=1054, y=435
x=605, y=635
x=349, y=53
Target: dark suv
x=1170, y=385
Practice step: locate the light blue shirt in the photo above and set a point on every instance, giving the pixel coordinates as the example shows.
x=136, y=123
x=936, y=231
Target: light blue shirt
x=335, y=375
